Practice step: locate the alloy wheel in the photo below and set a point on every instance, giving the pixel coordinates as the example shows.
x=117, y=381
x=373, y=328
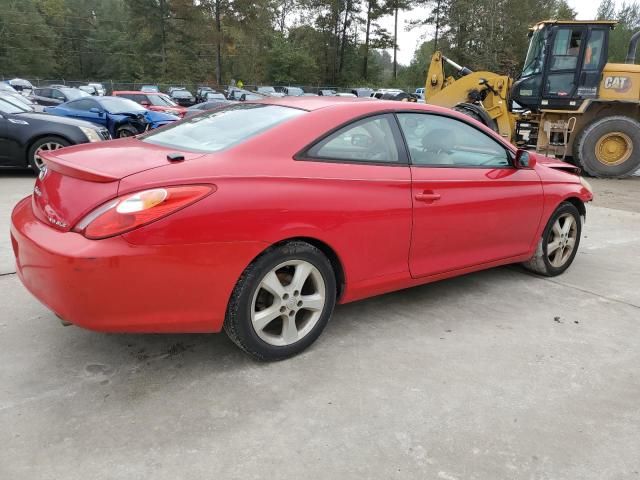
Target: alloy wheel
x=288, y=303
x=45, y=147
x=562, y=240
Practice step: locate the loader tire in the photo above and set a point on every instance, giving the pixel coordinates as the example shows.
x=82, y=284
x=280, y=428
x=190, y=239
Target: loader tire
x=476, y=112
x=609, y=147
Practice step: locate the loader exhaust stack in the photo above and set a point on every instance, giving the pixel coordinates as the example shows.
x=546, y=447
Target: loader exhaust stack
x=633, y=45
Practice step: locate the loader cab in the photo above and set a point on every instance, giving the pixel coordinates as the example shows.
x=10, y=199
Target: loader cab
x=564, y=64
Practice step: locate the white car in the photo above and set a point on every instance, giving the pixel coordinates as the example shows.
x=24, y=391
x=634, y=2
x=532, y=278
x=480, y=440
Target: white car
x=99, y=88
x=381, y=91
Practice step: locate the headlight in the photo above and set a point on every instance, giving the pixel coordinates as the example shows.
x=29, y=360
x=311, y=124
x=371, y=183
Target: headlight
x=586, y=184
x=91, y=134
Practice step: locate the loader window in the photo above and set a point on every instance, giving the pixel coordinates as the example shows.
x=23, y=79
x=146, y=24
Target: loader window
x=593, y=52
x=566, y=48
x=535, y=55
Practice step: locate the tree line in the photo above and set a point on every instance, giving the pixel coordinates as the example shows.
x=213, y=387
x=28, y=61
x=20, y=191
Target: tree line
x=304, y=42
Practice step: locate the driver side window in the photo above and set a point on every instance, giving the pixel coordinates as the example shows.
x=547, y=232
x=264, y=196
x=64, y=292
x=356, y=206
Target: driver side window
x=368, y=140
x=439, y=141
x=85, y=105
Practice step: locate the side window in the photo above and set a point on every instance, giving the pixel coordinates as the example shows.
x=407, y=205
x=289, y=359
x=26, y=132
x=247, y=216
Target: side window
x=57, y=94
x=446, y=142
x=43, y=92
x=367, y=140
x=84, y=105
x=566, y=48
x=593, y=53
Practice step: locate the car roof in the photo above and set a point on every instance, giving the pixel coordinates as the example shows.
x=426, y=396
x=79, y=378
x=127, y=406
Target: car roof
x=314, y=102
x=130, y=92
x=365, y=106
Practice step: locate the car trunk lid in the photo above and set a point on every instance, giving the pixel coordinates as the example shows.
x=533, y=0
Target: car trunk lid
x=78, y=179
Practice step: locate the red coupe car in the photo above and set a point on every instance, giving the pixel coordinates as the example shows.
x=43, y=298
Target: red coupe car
x=155, y=101
x=258, y=218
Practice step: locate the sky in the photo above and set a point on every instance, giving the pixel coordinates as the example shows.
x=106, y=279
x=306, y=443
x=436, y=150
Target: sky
x=409, y=41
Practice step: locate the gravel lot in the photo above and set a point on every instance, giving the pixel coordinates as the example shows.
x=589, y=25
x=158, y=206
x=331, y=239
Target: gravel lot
x=494, y=375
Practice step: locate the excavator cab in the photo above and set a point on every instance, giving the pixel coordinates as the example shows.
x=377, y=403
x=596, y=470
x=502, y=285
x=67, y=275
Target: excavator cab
x=564, y=64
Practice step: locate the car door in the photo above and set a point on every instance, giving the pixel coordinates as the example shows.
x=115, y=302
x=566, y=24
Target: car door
x=87, y=109
x=57, y=97
x=12, y=130
x=4, y=139
x=42, y=96
x=471, y=206
x=364, y=170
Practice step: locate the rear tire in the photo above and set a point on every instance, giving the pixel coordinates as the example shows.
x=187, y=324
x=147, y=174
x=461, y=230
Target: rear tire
x=609, y=147
x=282, y=302
x=46, y=144
x=559, y=242
x=126, y=131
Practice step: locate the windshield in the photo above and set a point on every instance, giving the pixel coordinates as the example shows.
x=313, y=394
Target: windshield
x=295, y=91
x=160, y=101
x=533, y=62
x=17, y=98
x=7, y=106
x=182, y=94
x=220, y=129
x=74, y=93
x=117, y=104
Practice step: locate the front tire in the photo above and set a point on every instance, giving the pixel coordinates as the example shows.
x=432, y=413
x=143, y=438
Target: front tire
x=282, y=302
x=609, y=147
x=559, y=242
x=126, y=131
x=46, y=144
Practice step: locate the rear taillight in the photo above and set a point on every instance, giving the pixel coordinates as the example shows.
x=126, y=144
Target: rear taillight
x=134, y=210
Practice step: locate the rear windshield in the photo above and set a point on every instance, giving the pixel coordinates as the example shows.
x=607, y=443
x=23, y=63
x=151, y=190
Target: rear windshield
x=220, y=129
x=160, y=101
x=182, y=94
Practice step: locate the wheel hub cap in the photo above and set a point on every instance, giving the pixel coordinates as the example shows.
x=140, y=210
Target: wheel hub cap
x=614, y=148
x=562, y=240
x=288, y=303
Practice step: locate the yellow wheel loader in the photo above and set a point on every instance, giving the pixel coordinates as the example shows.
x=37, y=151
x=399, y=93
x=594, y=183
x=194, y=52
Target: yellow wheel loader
x=568, y=101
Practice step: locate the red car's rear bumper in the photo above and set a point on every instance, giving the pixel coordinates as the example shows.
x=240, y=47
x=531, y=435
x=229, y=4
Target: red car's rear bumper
x=113, y=285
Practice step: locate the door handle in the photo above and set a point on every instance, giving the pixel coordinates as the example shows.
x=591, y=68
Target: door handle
x=427, y=196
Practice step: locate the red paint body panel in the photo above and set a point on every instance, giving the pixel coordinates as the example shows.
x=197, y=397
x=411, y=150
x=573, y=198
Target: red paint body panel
x=482, y=215
x=177, y=273
x=112, y=285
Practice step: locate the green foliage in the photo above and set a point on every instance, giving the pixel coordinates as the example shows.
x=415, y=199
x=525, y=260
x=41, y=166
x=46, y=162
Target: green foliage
x=628, y=17
x=304, y=42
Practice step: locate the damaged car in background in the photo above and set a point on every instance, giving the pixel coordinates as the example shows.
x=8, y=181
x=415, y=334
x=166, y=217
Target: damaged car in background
x=120, y=116
x=25, y=135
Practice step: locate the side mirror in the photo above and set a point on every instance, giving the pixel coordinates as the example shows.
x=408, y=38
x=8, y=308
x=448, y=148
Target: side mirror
x=524, y=160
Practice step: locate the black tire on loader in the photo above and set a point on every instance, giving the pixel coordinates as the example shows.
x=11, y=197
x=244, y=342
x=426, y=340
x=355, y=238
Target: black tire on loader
x=609, y=147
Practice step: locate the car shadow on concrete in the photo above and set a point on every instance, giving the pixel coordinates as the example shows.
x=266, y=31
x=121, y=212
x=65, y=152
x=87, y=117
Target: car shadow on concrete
x=158, y=354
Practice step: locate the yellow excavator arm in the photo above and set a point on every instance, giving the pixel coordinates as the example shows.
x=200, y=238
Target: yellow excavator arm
x=482, y=95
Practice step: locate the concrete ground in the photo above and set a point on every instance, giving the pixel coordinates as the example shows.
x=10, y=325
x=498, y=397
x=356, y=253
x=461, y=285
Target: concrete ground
x=494, y=375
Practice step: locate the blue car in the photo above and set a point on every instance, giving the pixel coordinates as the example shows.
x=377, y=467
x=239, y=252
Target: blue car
x=122, y=117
